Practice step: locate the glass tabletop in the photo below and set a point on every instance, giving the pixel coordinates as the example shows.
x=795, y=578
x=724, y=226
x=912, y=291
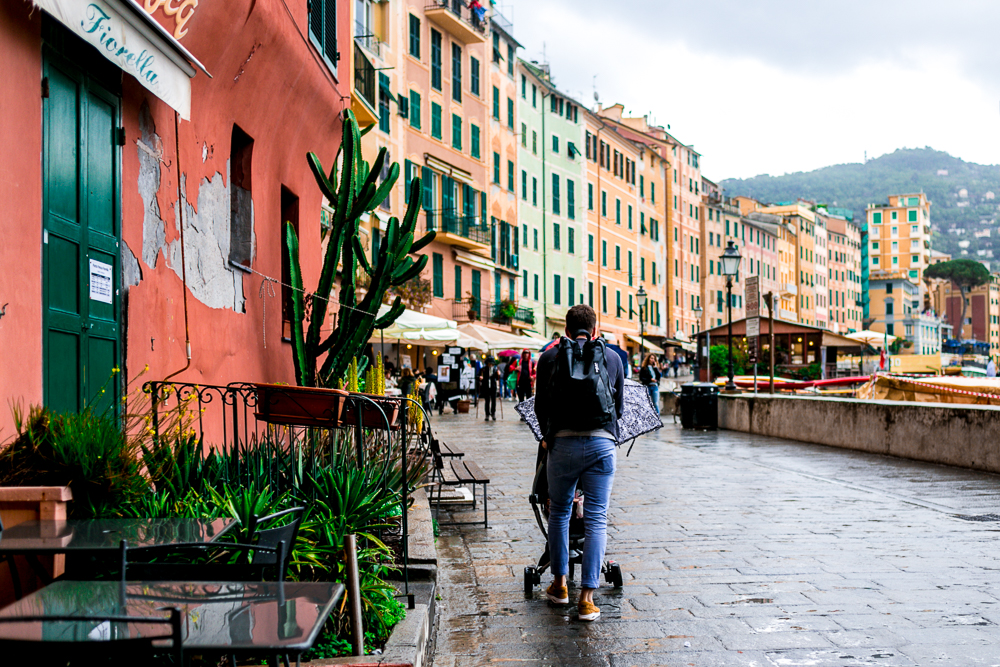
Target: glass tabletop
x=69, y=535
x=227, y=617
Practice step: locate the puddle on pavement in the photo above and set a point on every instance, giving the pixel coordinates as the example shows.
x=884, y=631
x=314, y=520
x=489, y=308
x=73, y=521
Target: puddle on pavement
x=751, y=601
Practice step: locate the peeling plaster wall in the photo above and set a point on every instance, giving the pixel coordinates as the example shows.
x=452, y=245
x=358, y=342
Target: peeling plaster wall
x=207, y=237
x=153, y=227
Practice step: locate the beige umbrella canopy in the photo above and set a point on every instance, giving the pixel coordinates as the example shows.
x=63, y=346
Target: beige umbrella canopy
x=868, y=337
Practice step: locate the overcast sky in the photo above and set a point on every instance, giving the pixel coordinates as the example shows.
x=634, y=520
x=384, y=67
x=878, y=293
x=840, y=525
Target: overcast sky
x=776, y=86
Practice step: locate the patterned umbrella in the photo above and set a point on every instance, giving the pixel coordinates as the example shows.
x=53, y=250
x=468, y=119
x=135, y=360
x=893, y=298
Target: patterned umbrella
x=638, y=414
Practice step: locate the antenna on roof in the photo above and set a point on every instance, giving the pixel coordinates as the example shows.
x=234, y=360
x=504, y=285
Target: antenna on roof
x=596, y=97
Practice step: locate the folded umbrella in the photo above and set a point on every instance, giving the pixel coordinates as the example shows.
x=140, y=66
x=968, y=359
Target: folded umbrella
x=639, y=416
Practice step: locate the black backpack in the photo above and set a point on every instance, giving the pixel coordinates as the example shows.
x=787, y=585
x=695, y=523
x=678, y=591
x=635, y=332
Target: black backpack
x=580, y=388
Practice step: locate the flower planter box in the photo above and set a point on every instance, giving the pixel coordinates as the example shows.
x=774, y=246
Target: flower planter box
x=26, y=503
x=370, y=415
x=463, y=406
x=300, y=406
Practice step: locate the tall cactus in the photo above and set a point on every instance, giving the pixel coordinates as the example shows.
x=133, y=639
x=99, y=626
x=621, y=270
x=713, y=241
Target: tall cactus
x=356, y=193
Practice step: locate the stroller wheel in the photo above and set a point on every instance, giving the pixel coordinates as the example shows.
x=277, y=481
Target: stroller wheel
x=529, y=581
x=613, y=574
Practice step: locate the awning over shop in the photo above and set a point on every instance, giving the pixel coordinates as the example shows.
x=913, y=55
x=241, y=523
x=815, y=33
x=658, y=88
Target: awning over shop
x=411, y=319
x=646, y=344
x=474, y=260
x=130, y=38
x=499, y=340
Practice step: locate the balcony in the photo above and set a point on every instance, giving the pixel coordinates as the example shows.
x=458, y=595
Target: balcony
x=458, y=20
x=461, y=230
x=363, y=100
x=365, y=39
x=491, y=312
x=789, y=289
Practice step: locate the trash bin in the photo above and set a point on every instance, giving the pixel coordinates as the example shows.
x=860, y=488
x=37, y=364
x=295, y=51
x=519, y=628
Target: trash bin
x=699, y=405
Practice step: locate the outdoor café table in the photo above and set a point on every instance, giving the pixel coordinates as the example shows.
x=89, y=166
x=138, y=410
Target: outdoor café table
x=217, y=618
x=101, y=537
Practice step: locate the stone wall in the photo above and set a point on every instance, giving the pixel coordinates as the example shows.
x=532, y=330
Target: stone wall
x=966, y=436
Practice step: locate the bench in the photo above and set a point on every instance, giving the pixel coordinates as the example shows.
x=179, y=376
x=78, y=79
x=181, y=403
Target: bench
x=463, y=473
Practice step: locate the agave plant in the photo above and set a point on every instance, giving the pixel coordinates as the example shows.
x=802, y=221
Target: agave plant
x=352, y=193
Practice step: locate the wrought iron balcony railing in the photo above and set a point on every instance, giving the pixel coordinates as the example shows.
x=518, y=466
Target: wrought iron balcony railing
x=364, y=77
x=449, y=221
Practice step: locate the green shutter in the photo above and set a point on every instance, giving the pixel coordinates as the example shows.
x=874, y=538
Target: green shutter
x=438, y=275
x=408, y=177
x=474, y=140
x=436, y=120
x=456, y=132
x=414, y=110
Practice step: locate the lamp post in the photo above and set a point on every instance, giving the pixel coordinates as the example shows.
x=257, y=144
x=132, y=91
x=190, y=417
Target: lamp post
x=698, y=310
x=730, y=260
x=640, y=299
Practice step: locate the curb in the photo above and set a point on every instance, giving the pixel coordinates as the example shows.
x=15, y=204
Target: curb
x=410, y=641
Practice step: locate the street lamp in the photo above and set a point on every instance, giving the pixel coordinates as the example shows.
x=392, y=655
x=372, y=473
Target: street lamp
x=730, y=261
x=640, y=298
x=698, y=310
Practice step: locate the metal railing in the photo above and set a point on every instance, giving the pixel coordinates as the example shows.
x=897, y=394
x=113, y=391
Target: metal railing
x=451, y=222
x=472, y=310
x=364, y=76
x=460, y=10
x=367, y=41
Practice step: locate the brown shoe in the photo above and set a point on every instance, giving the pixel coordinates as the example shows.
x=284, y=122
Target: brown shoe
x=588, y=611
x=557, y=594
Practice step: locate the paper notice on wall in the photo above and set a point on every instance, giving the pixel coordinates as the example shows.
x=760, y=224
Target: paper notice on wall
x=101, y=282
x=448, y=359
x=406, y=361
x=444, y=373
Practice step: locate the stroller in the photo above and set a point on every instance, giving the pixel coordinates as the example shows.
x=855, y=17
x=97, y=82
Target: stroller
x=539, y=500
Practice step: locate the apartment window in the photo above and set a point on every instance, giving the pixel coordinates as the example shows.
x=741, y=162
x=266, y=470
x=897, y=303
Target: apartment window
x=510, y=175
x=474, y=76
x=571, y=240
x=536, y=239
x=414, y=37
x=618, y=258
x=534, y=95
x=630, y=216
x=414, y=110
x=555, y=236
x=618, y=303
x=604, y=203
x=604, y=253
x=524, y=135
x=555, y=194
x=534, y=142
x=570, y=199
x=524, y=185
x=652, y=273
x=604, y=298
x=496, y=47
x=642, y=269
x=642, y=186
x=555, y=144
x=496, y=103
x=556, y=289
x=877, y=218
x=240, y=201
x=456, y=72
x=524, y=284
x=510, y=59
x=630, y=311
x=570, y=291
x=590, y=247
x=524, y=87
x=536, y=287
x=534, y=191
x=496, y=167
x=458, y=282
x=435, y=59
x=590, y=293
x=323, y=29
x=590, y=196
x=630, y=268
x=911, y=216
x=652, y=192
x=510, y=113
x=383, y=103
x=456, y=132
x=618, y=211
x=474, y=139
x=436, y=120
x=439, y=275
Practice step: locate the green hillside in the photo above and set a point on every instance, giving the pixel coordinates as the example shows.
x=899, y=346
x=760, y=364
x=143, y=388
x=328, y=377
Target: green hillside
x=854, y=186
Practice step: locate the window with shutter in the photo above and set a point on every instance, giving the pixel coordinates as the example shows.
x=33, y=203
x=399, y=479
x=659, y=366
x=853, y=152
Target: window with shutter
x=323, y=29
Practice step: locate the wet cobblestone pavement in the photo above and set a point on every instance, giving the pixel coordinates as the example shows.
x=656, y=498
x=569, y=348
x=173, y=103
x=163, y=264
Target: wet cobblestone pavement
x=736, y=550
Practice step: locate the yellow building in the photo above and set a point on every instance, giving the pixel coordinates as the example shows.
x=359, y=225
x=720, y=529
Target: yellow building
x=899, y=235
x=895, y=308
x=798, y=261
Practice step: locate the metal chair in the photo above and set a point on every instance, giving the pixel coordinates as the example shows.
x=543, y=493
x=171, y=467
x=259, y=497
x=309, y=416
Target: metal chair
x=195, y=562
x=43, y=648
x=284, y=535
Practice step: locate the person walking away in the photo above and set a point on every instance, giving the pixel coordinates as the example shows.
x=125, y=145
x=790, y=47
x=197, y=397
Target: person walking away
x=525, y=377
x=649, y=376
x=676, y=365
x=489, y=385
x=991, y=369
x=578, y=403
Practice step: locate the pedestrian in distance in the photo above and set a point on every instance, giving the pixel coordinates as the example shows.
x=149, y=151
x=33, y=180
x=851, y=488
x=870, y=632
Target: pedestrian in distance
x=676, y=365
x=991, y=368
x=525, y=377
x=490, y=382
x=649, y=376
x=578, y=403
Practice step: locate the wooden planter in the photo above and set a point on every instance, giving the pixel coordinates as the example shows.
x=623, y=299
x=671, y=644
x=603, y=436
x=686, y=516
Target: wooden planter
x=370, y=415
x=300, y=406
x=26, y=503
x=463, y=406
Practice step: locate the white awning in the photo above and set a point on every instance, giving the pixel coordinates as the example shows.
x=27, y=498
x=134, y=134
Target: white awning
x=477, y=261
x=126, y=35
x=411, y=319
x=499, y=340
x=646, y=345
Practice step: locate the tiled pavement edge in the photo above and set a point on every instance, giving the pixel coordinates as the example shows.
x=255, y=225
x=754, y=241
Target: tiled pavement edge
x=736, y=550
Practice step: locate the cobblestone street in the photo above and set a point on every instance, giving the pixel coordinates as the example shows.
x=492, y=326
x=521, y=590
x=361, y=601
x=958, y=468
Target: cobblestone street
x=736, y=550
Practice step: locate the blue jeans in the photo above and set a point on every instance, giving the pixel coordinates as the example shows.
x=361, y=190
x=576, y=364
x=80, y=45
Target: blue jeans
x=654, y=394
x=589, y=462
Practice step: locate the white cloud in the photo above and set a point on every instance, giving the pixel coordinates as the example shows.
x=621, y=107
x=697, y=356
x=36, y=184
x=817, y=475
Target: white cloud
x=754, y=95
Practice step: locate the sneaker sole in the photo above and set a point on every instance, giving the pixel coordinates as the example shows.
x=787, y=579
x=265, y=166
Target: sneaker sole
x=554, y=600
x=590, y=617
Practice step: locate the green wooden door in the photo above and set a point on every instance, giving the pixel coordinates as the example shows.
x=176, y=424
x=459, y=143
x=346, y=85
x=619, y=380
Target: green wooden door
x=81, y=223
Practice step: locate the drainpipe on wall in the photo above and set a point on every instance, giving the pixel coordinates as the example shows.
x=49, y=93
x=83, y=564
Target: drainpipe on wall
x=180, y=214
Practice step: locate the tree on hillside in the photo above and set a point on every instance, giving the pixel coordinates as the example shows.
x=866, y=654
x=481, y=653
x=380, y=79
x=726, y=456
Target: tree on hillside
x=966, y=274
